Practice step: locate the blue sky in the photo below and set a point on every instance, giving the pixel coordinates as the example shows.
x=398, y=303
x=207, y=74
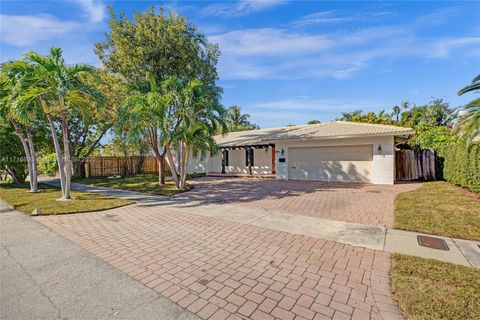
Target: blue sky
x=287, y=62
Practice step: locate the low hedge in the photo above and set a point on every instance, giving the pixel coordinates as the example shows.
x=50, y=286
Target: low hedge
x=462, y=165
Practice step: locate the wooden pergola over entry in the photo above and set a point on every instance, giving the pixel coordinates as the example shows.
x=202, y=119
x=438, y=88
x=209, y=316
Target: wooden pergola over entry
x=249, y=150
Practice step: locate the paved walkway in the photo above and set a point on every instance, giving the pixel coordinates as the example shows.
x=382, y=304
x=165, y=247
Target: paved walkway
x=221, y=269
x=463, y=252
x=350, y=202
x=45, y=276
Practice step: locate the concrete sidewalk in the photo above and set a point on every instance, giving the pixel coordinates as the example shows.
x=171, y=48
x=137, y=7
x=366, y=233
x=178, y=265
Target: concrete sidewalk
x=45, y=276
x=462, y=252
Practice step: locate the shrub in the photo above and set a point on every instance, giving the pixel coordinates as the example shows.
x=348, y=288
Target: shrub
x=462, y=165
x=47, y=164
x=433, y=137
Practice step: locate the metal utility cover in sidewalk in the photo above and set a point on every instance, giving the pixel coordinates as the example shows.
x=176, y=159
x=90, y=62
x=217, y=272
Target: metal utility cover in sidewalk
x=431, y=242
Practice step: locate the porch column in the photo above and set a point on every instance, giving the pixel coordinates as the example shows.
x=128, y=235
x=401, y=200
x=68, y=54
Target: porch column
x=273, y=159
x=249, y=160
x=223, y=160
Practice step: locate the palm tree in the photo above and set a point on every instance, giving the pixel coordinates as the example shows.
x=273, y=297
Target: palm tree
x=192, y=118
x=396, y=112
x=474, y=86
x=469, y=124
x=236, y=121
x=143, y=114
x=21, y=116
x=58, y=87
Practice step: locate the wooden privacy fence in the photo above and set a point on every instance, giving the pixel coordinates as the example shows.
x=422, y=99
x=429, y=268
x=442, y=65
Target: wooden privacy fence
x=413, y=165
x=110, y=166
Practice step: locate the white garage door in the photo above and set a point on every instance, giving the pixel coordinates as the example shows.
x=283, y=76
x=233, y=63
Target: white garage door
x=337, y=163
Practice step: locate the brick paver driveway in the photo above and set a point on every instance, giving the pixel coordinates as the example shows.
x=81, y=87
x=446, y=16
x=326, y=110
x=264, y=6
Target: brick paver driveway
x=351, y=202
x=219, y=269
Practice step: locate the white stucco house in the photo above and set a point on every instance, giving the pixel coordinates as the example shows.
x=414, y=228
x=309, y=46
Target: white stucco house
x=333, y=151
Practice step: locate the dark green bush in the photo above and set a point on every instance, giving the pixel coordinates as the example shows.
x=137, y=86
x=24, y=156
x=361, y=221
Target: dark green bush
x=462, y=165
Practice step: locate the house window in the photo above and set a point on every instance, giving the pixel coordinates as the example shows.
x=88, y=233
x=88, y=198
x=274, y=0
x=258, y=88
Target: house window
x=227, y=161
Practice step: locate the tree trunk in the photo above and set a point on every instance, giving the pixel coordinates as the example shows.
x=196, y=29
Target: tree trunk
x=28, y=155
x=80, y=160
x=125, y=163
x=161, y=170
x=153, y=139
x=33, y=155
x=186, y=154
x=182, y=164
x=58, y=151
x=141, y=162
x=67, y=159
x=78, y=168
x=13, y=174
x=179, y=155
x=171, y=164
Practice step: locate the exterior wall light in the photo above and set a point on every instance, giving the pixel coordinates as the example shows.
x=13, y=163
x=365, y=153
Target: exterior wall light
x=282, y=153
x=379, y=148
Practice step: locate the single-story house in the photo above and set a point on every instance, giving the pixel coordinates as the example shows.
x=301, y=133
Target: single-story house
x=333, y=151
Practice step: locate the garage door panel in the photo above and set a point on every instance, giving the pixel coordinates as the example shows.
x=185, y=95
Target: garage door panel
x=338, y=163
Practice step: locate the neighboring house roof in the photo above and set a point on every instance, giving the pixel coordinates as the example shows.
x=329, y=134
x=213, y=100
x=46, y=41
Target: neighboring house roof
x=328, y=130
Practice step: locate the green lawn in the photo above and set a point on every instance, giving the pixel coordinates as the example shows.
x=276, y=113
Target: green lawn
x=439, y=208
x=20, y=198
x=430, y=290
x=147, y=183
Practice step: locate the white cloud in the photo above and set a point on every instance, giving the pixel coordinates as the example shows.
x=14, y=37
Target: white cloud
x=331, y=16
x=270, y=53
x=321, y=18
x=240, y=7
x=301, y=109
x=27, y=30
x=445, y=46
x=303, y=104
x=257, y=5
x=94, y=10
x=269, y=41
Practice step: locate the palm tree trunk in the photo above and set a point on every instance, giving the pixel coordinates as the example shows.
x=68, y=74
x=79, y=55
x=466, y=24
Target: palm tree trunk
x=179, y=155
x=33, y=156
x=58, y=151
x=171, y=164
x=153, y=139
x=66, y=152
x=185, y=165
x=26, y=149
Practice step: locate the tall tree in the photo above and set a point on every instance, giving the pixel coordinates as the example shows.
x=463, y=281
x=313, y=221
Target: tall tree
x=159, y=44
x=238, y=121
x=59, y=88
x=156, y=46
x=371, y=117
x=193, y=116
x=11, y=153
x=396, y=112
x=144, y=114
x=469, y=123
x=87, y=126
x=20, y=115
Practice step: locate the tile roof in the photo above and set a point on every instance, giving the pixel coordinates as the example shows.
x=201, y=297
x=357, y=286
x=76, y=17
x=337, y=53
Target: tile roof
x=335, y=129
x=244, y=138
